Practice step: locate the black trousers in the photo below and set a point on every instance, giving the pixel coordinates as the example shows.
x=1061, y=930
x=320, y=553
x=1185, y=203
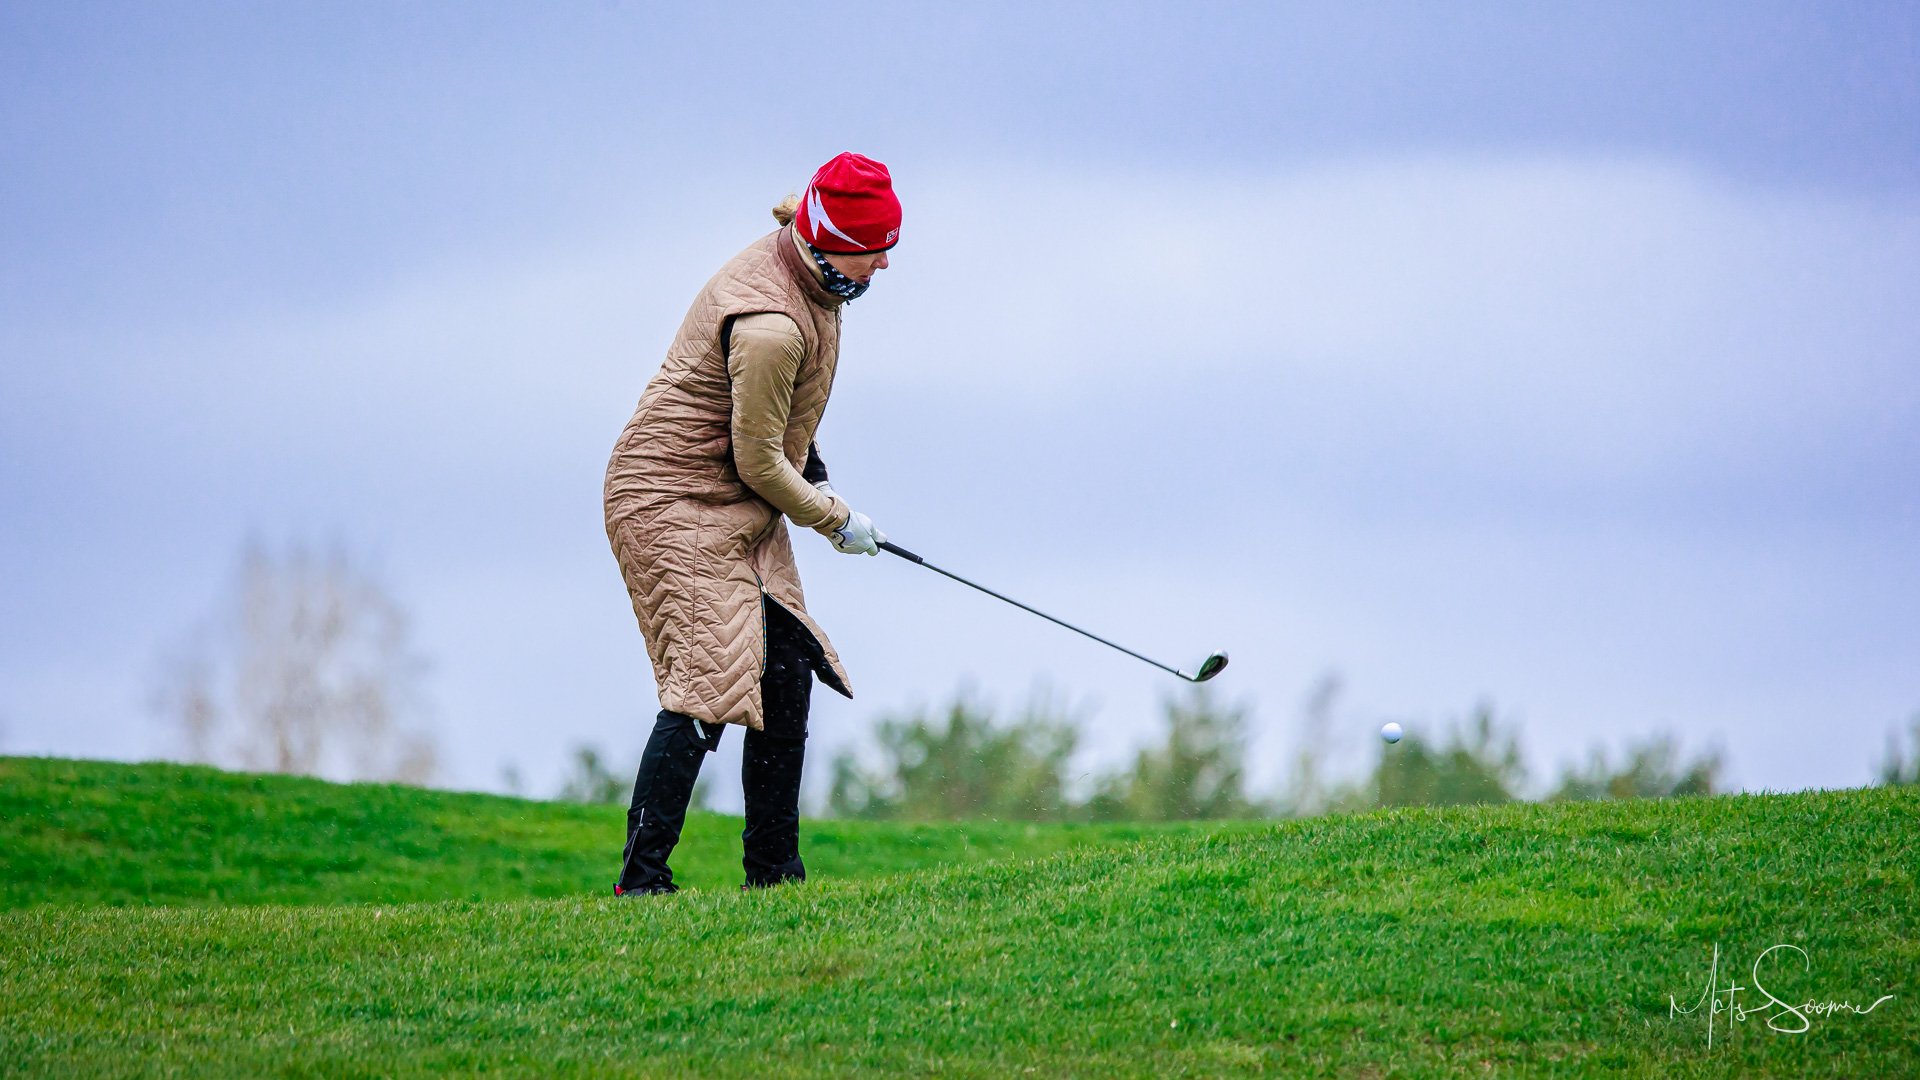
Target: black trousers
x=769, y=771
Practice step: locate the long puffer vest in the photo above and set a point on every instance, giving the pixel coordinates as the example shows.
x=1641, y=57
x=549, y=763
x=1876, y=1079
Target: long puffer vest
x=698, y=548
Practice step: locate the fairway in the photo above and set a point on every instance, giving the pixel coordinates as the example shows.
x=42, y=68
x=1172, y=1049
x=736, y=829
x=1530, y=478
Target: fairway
x=88, y=832
x=1534, y=940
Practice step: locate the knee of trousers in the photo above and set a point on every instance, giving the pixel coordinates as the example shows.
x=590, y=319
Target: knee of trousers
x=771, y=767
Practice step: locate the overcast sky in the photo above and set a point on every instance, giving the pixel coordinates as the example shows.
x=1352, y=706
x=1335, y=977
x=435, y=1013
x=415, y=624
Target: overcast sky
x=1561, y=356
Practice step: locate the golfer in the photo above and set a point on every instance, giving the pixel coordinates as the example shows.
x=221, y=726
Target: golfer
x=719, y=454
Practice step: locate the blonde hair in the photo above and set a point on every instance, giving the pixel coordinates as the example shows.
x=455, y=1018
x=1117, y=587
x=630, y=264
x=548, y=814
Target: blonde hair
x=783, y=213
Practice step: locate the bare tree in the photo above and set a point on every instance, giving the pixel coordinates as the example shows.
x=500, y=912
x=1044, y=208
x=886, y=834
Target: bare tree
x=305, y=667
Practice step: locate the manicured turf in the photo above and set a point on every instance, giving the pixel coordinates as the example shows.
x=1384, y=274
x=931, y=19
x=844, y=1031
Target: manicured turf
x=79, y=832
x=1540, y=940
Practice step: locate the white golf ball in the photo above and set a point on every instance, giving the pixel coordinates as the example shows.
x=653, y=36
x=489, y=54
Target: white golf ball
x=1390, y=732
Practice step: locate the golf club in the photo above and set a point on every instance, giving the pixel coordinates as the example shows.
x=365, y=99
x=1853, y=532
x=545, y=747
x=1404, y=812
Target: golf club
x=1213, y=665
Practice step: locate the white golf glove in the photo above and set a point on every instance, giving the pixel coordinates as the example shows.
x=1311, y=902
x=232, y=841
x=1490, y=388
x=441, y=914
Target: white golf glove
x=858, y=536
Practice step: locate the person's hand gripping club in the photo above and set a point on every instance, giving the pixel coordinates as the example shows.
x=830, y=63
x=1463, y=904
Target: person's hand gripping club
x=858, y=536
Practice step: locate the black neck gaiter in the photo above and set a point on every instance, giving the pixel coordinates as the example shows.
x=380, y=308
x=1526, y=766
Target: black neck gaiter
x=837, y=283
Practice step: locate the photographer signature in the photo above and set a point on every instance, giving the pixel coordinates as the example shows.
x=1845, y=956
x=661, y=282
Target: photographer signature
x=1781, y=1016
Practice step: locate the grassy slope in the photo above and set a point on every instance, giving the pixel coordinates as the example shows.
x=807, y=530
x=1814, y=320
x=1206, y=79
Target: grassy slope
x=97, y=832
x=1543, y=940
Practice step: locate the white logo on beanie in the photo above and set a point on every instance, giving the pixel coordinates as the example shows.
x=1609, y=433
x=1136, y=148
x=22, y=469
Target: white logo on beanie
x=817, y=214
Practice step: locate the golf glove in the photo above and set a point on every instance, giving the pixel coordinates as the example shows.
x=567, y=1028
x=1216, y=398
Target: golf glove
x=858, y=536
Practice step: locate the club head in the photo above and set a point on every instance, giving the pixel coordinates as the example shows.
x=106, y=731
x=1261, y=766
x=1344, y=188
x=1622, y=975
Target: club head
x=1211, y=666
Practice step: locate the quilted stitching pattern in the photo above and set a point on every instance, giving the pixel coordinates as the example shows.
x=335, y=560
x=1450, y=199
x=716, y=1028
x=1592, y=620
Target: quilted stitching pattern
x=695, y=545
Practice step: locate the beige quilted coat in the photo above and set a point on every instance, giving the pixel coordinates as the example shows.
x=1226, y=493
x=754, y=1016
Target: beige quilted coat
x=698, y=543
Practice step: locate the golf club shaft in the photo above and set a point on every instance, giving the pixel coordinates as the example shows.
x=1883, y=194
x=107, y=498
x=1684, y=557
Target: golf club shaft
x=912, y=558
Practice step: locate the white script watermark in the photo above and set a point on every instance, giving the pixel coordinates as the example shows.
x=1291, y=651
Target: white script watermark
x=1786, y=1018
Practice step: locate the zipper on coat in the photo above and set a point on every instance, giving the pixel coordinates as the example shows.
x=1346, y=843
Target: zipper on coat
x=764, y=596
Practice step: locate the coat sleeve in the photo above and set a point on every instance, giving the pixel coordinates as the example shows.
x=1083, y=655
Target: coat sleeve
x=763, y=357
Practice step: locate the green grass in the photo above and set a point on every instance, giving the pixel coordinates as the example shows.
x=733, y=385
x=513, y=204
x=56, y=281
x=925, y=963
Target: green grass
x=1535, y=940
x=90, y=832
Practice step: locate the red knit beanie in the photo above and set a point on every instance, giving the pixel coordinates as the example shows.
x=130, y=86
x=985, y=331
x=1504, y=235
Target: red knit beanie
x=849, y=208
